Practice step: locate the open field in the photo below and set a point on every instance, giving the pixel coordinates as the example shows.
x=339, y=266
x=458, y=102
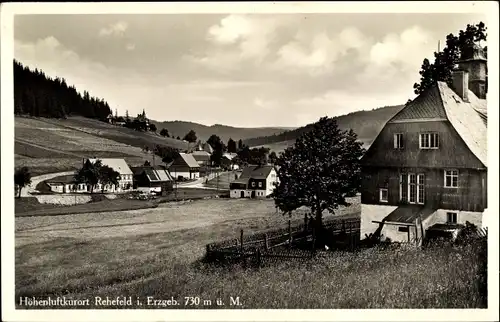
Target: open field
x=223, y=181
x=29, y=206
x=49, y=145
x=156, y=252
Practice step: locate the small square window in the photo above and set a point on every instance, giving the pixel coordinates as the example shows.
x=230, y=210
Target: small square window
x=260, y=184
x=253, y=184
x=383, y=195
x=403, y=229
x=451, y=179
x=451, y=217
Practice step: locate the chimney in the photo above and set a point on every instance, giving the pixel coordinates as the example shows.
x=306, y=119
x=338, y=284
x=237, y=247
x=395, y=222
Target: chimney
x=460, y=81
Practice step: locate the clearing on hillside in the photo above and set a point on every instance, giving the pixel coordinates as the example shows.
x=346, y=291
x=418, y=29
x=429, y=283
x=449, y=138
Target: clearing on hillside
x=49, y=145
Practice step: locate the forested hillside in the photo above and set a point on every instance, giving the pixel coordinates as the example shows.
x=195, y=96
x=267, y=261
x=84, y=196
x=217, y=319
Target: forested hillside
x=36, y=94
x=366, y=124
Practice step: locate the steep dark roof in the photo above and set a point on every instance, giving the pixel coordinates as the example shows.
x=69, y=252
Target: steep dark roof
x=256, y=172
x=427, y=106
x=201, y=155
x=154, y=174
x=440, y=102
x=185, y=159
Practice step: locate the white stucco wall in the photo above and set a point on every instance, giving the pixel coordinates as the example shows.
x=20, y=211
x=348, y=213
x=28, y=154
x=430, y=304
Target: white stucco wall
x=271, y=179
x=63, y=199
x=462, y=217
x=236, y=193
x=370, y=213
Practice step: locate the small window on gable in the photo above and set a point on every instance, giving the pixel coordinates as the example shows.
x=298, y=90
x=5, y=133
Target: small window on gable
x=398, y=141
x=429, y=140
x=253, y=184
x=383, y=195
x=260, y=184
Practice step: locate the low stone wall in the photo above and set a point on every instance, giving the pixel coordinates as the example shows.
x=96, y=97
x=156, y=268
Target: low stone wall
x=63, y=199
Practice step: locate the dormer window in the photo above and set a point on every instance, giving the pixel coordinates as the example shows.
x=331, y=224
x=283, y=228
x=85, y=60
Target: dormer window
x=253, y=184
x=398, y=141
x=429, y=141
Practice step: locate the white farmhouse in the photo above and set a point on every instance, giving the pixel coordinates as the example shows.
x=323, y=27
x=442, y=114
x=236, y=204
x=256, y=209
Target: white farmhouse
x=256, y=181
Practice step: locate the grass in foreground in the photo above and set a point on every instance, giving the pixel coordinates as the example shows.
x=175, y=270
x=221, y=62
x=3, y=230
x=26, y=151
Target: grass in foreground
x=161, y=266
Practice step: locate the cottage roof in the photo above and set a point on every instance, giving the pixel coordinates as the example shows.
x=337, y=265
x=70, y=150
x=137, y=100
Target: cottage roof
x=207, y=147
x=188, y=159
x=154, y=174
x=408, y=214
x=229, y=156
x=201, y=155
x=62, y=180
x=466, y=120
x=256, y=172
x=440, y=102
x=119, y=165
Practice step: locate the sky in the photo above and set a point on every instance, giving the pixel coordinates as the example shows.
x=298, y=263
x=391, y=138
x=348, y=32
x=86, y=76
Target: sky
x=246, y=70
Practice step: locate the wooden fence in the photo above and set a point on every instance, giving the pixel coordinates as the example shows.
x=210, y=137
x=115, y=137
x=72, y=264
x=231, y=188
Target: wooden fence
x=291, y=243
x=297, y=243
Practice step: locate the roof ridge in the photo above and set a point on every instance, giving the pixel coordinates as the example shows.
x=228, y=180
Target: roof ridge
x=441, y=98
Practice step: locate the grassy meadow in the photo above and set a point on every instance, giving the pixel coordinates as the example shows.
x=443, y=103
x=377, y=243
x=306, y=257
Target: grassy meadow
x=157, y=252
x=49, y=145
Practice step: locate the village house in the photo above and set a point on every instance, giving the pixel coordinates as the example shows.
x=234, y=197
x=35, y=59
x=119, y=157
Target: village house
x=202, y=157
x=256, y=181
x=152, y=179
x=184, y=166
x=427, y=168
x=228, y=161
x=119, y=165
x=66, y=184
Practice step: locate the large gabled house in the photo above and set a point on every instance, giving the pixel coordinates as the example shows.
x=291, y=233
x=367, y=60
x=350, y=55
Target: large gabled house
x=256, y=181
x=184, y=166
x=427, y=168
x=119, y=165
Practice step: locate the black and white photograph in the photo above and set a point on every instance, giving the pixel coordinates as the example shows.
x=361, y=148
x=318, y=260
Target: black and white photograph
x=250, y=161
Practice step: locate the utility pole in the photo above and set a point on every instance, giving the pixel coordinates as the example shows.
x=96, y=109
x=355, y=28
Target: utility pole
x=175, y=178
x=217, y=174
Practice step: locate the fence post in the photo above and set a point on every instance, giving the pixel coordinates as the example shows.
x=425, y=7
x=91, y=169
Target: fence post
x=208, y=252
x=266, y=240
x=350, y=235
x=313, y=239
x=241, y=240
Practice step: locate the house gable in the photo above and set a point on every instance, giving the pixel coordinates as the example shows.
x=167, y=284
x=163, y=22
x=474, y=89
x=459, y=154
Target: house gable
x=462, y=133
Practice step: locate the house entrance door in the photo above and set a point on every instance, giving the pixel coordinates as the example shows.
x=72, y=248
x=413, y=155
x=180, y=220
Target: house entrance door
x=253, y=194
x=242, y=194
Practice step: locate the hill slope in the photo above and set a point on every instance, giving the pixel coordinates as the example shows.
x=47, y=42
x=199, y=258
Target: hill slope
x=203, y=132
x=367, y=124
x=50, y=145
